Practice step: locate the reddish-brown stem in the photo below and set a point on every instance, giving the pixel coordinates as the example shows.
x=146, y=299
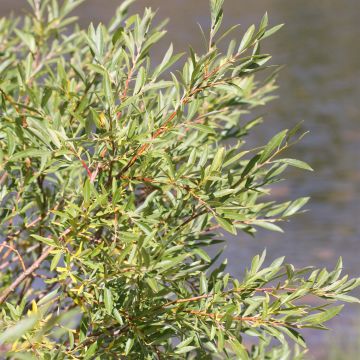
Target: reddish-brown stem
x=30, y=270
x=83, y=163
x=25, y=274
x=207, y=296
x=251, y=319
x=16, y=252
x=16, y=258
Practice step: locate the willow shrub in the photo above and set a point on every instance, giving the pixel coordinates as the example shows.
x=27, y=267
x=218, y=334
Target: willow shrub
x=117, y=175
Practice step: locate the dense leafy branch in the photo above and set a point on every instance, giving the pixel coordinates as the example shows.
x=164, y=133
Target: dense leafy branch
x=116, y=177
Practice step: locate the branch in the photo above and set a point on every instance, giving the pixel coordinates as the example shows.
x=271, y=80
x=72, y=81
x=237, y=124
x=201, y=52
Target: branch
x=31, y=269
x=25, y=274
x=250, y=319
x=229, y=292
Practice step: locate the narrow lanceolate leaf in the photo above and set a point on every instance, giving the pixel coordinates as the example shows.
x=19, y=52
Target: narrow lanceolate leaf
x=108, y=300
x=128, y=346
x=296, y=163
x=264, y=22
x=185, y=342
x=45, y=240
x=323, y=316
x=140, y=80
x=268, y=225
x=185, y=349
x=239, y=349
x=203, y=128
x=226, y=224
x=272, y=31
x=55, y=261
x=218, y=159
x=272, y=146
x=295, y=206
x=30, y=153
x=15, y=332
x=203, y=284
x=246, y=40
x=28, y=39
x=108, y=90
x=224, y=192
x=87, y=191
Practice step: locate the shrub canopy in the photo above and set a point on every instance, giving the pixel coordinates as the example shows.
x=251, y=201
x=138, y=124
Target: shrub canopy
x=117, y=175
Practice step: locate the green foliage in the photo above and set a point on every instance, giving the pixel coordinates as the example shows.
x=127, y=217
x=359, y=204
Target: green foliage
x=117, y=175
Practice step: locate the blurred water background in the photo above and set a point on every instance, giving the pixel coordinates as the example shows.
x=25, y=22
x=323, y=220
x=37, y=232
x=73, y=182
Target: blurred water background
x=320, y=85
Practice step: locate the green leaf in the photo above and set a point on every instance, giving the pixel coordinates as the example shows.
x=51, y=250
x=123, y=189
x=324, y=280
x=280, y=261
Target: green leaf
x=55, y=260
x=296, y=163
x=91, y=351
x=100, y=69
x=264, y=22
x=153, y=284
x=272, y=31
x=223, y=192
x=48, y=297
x=203, y=254
x=239, y=349
x=87, y=191
x=323, y=316
x=293, y=334
x=185, y=342
x=347, y=298
x=108, y=300
x=203, y=128
x=15, y=332
x=108, y=90
x=117, y=35
x=218, y=159
x=226, y=224
x=185, y=349
x=30, y=153
x=45, y=240
x=140, y=80
x=268, y=226
x=128, y=346
x=28, y=39
x=295, y=206
x=251, y=165
x=272, y=145
x=118, y=317
x=247, y=38
x=203, y=284
x=46, y=96
x=164, y=63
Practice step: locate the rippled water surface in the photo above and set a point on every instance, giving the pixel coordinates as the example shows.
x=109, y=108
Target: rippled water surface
x=320, y=85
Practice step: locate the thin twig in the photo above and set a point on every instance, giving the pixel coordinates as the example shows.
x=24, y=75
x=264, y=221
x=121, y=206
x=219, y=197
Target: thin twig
x=16, y=252
x=250, y=319
x=16, y=258
x=235, y=290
